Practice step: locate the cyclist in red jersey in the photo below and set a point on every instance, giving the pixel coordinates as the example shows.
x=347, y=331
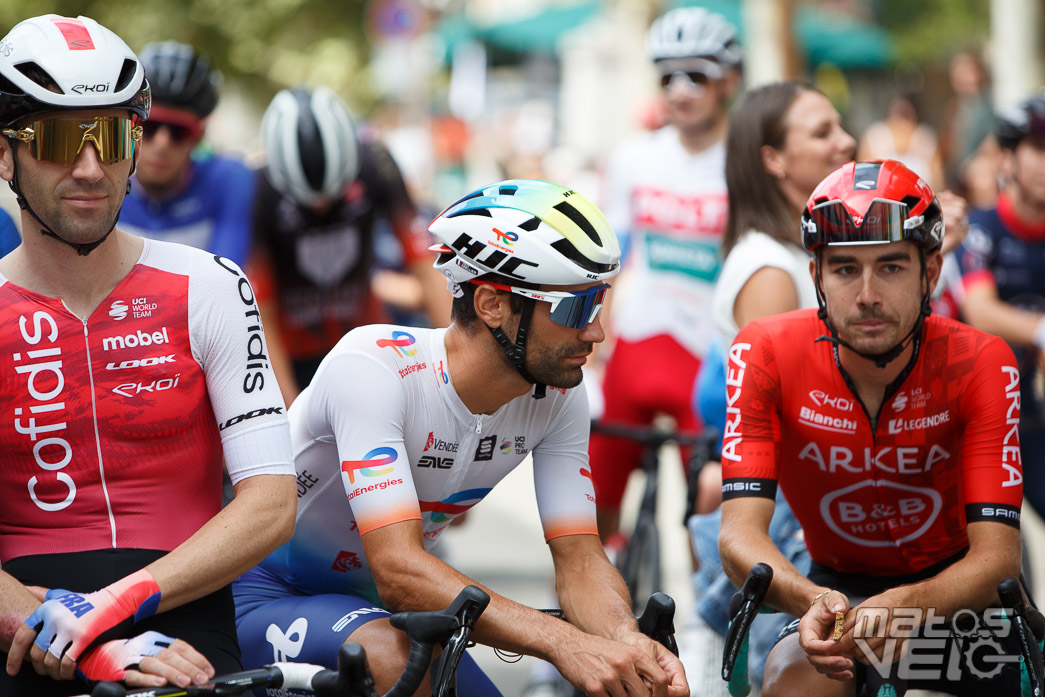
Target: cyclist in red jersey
x=892, y=434
x=132, y=369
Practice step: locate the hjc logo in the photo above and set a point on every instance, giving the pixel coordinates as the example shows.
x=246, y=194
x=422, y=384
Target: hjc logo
x=822, y=399
x=501, y=262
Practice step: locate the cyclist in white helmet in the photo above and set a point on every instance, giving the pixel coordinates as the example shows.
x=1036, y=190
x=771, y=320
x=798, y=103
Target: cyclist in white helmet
x=323, y=198
x=133, y=377
x=405, y=429
x=666, y=196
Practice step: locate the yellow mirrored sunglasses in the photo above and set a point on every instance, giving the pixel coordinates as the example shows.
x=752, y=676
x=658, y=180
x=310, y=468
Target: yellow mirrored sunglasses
x=59, y=139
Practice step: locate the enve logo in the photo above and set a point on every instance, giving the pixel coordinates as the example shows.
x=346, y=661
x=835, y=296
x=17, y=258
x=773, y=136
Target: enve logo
x=370, y=464
x=399, y=342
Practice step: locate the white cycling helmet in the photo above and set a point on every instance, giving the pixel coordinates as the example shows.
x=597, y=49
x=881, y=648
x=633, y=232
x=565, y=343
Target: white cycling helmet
x=311, y=143
x=694, y=32
x=525, y=229
x=54, y=63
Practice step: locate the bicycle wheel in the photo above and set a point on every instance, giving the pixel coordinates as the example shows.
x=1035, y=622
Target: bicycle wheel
x=641, y=563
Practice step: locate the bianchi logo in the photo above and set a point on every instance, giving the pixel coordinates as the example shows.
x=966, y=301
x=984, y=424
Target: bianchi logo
x=118, y=310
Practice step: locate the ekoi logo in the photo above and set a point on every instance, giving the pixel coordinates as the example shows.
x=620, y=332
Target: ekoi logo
x=399, y=342
x=506, y=237
x=371, y=464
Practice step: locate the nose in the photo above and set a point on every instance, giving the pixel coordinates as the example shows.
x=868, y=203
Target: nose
x=868, y=295
x=593, y=331
x=846, y=143
x=88, y=163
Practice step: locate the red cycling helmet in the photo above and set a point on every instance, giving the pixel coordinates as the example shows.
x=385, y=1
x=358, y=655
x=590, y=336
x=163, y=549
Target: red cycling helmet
x=874, y=202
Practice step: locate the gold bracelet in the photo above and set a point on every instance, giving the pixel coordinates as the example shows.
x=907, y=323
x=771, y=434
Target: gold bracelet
x=820, y=595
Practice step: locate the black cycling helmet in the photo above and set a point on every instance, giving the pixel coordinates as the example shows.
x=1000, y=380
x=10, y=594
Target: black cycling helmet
x=1016, y=123
x=180, y=77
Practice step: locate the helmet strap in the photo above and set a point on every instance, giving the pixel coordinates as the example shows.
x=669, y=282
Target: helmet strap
x=884, y=358
x=515, y=353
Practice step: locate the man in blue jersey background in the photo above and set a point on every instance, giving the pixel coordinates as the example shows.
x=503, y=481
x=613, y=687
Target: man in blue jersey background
x=179, y=193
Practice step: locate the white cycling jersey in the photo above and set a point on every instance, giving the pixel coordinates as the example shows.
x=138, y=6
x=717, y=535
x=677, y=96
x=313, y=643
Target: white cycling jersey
x=669, y=207
x=380, y=436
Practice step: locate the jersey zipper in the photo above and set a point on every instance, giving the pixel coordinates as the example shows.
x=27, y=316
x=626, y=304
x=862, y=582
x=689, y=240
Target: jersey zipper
x=479, y=423
x=97, y=436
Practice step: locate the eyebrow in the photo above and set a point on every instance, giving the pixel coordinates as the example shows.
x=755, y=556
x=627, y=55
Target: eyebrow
x=849, y=259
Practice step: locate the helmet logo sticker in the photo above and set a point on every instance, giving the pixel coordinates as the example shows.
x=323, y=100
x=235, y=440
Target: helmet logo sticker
x=496, y=261
x=80, y=89
x=75, y=34
x=507, y=238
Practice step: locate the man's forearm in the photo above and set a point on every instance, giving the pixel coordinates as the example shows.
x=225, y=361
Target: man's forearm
x=591, y=592
x=743, y=543
x=258, y=520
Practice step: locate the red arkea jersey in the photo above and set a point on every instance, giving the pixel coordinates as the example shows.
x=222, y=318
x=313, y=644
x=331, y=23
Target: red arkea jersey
x=888, y=500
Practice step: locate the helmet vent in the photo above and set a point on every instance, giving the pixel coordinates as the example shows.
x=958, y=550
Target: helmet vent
x=40, y=76
x=865, y=176
x=507, y=190
x=474, y=211
x=126, y=74
x=566, y=249
x=579, y=220
x=531, y=224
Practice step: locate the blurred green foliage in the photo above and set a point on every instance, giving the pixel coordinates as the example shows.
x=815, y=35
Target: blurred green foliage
x=928, y=32
x=262, y=45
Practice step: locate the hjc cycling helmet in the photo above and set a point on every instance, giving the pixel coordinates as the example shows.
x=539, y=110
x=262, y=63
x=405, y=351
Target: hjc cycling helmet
x=694, y=32
x=533, y=232
x=180, y=77
x=53, y=63
x=874, y=202
x=1021, y=121
x=310, y=139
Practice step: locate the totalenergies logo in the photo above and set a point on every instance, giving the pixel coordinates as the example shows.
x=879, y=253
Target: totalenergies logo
x=443, y=374
x=371, y=464
x=455, y=504
x=399, y=342
x=506, y=237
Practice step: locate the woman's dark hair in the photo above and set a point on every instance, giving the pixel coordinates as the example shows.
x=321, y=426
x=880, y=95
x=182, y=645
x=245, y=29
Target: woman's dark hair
x=756, y=201
x=462, y=310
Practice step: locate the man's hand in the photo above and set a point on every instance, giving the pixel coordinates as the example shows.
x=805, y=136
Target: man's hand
x=870, y=628
x=147, y=660
x=68, y=622
x=601, y=667
x=955, y=220
x=816, y=637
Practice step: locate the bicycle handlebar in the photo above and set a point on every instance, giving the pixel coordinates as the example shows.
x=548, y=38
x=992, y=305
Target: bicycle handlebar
x=352, y=678
x=650, y=435
x=1011, y=596
x=743, y=608
x=657, y=621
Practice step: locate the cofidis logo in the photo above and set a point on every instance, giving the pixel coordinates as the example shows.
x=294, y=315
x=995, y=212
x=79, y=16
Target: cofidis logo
x=373, y=464
x=399, y=343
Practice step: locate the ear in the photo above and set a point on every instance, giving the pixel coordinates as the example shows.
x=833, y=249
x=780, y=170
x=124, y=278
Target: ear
x=7, y=159
x=491, y=305
x=933, y=266
x=773, y=162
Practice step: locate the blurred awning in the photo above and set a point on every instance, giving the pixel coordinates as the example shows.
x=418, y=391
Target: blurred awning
x=825, y=36
x=538, y=33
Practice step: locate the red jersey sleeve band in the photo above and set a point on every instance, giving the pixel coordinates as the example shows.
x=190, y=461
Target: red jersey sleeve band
x=992, y=513
x=740, y=487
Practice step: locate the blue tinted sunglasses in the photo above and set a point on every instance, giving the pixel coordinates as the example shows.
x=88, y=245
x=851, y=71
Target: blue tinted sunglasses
x=573, y=309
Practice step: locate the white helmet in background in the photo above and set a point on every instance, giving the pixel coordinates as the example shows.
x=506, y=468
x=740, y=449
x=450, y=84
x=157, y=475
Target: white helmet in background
x=311, y=146
x=525, y=229
x=694, y=32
